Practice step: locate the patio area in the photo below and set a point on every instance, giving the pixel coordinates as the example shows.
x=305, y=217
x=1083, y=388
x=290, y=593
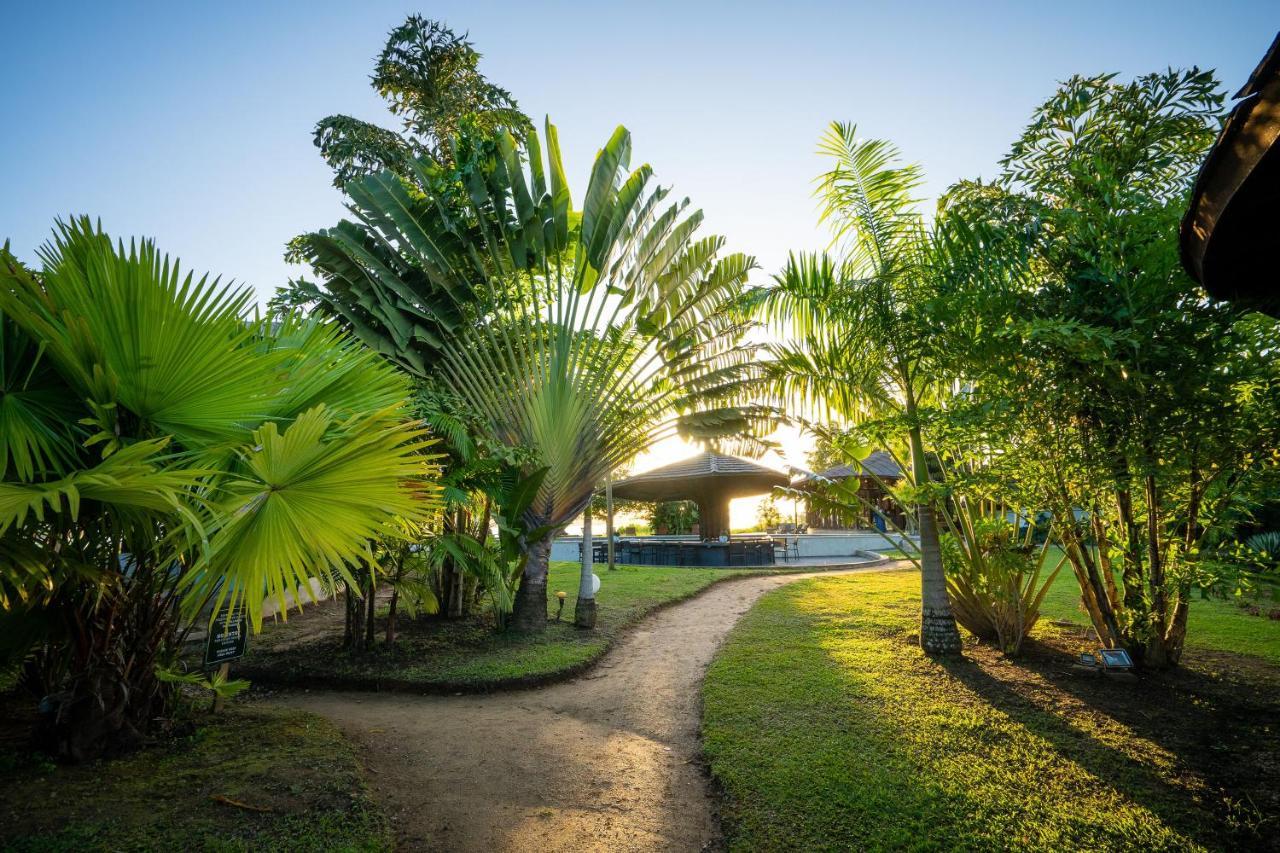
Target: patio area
x=712, y=480
x=802, y=550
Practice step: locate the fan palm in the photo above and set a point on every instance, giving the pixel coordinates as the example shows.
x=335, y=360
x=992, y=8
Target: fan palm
x=853, y=339
x=164, y=456
x=587, y=336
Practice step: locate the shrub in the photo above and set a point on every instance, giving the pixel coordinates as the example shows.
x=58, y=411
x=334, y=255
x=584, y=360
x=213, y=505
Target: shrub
x=993, y=576
x=1264, y=548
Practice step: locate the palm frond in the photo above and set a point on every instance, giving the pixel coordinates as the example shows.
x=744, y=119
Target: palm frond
x=589, y=333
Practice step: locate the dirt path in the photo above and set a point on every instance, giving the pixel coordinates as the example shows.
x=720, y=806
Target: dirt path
x=608, y=761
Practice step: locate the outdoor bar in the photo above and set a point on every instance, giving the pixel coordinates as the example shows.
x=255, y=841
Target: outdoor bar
x=712, y=480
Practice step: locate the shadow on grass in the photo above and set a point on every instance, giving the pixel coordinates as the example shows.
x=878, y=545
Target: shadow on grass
x=828, y=729
x=1134, y=740
x=1205, y=728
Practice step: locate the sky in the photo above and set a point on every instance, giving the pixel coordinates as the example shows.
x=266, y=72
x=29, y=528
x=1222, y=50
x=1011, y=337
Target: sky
x=192, y=122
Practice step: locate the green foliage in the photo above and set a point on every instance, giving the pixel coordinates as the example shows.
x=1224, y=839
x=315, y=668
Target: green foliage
x=176, y=456
x=826, y=730
x=675, y=517
x=430, y=79
x=994, y=576
x=215, y=682
x=1139, y=409
x=581, y=338
x=1265, y=545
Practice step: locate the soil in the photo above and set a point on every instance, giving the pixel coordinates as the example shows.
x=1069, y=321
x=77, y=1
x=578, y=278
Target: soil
x=607, y=761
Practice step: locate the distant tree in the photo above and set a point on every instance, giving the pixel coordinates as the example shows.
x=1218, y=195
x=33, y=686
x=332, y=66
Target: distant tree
x=430, y=78
x=767, y=515
x=674, y=517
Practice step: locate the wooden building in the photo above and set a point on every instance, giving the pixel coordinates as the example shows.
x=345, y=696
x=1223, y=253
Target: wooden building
x=871, y=472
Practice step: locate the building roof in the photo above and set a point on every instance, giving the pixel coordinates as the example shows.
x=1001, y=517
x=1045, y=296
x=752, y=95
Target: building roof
x=879, y=463
x=697, y=476
x=1228, y=233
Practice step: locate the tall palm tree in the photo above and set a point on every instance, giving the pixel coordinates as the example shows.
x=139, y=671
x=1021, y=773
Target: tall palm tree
x=587, y=337
x=165, y=455
x=853, y=337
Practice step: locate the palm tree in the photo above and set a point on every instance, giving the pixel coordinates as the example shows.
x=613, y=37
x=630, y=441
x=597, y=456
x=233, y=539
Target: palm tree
x=585, y=337
x=164, y=455
x=854, y=338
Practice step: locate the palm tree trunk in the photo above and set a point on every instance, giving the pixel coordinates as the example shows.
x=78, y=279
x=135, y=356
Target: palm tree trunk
x=584, y=612
x=392, y=606
x=371, y=609
x=529, y=615
x=938, y=632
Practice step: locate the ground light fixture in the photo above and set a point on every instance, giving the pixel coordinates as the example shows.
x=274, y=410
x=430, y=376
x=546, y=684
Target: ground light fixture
x=1115, y=660
x=1106, y=660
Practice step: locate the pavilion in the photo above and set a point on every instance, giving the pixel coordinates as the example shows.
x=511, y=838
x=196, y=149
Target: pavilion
x=709, y=479
x=875, y=472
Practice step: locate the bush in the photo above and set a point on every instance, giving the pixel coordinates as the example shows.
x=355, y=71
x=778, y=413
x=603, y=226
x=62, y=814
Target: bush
x=1264, y=549
x=993, y=576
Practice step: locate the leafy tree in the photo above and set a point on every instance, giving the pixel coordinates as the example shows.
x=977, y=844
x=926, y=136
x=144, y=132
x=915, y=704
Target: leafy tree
x=675, y=517
x=582, y=338
x=430, y=79
x=1142, y=408
x=828, y=450
x=856, y=342
x=767, y=515
x=163, y=456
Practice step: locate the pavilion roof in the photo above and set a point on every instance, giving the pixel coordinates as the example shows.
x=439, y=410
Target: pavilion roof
x=879, y=463
x=698, y=476
x=1228, y=233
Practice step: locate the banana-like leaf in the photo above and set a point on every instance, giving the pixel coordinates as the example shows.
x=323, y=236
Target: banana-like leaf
x=588, y=335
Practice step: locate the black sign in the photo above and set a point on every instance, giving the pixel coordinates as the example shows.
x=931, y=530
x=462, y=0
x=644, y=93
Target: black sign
x=227, y=639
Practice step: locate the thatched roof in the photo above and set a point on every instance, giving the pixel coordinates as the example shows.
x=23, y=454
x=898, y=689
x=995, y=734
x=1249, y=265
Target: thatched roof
x=706, y=473
x=1229, y=231
x=879, y=463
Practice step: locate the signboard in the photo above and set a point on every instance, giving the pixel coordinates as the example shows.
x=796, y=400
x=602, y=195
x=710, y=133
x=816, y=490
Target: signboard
x=228, y=639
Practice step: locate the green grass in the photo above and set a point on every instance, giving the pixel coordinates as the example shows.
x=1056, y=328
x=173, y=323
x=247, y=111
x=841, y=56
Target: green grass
x=293, y=763
x=1212, y=623
x=828, y=729
x=469, y=654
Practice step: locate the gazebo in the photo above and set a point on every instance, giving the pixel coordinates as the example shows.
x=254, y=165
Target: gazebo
x=710, y=480
x=873, y=473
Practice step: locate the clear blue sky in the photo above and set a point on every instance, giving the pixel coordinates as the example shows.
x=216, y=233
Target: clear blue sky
x=191, y=122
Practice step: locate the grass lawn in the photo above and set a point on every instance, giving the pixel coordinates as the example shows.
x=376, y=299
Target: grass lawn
x=1212, y=623
x=827, y=729
x=293, y=766
x=435, y=655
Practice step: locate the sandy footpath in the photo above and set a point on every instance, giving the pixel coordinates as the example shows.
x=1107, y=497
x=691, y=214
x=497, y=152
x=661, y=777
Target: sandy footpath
x=607, y=761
